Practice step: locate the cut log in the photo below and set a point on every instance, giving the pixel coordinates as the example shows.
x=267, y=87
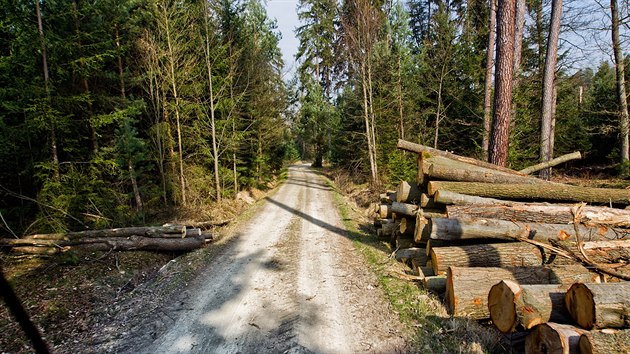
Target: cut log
x=459, y=229
x=435, y=284
x=440, y=168
x=407, y=226
x=513, y=254
x=36, y=250
x=550, y=214
x=408, y=192
x=114, y=243
x=512, y=304
x=553, y=338
x=404, y=209
x=193, y=232
x=452, y=198
x=427, y=202
x=421, y=233
x=604, y=305
x=608, y=341
x=381, y=222
x=544, y=191
x=419, y=254
x=553, y=162
x=146, y=231
x=419, y=149
x=385, y=211
x=467, y=288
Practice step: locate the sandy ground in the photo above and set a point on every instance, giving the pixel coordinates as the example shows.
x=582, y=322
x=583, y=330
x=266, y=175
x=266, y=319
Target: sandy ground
x=290, y=282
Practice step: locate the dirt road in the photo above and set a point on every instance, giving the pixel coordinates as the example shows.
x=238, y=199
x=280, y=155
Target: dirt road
x=289, y=283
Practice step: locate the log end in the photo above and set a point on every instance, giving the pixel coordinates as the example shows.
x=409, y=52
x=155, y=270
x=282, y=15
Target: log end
x=585, y=345
x=579, y=302
x=544, y=338
x=501, y=304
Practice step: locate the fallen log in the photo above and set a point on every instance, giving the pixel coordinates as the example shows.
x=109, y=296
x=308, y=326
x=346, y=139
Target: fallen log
x=553, y=162
x=428, y=202
x=419, y=254
x=459, y=229
x=550, y=214
x=435, y=284
x=440, y=168
x=419, y=149
x=407, y=192
x=467, y=288
x=146, y=231
x=421, y=233
x=512, y=304
x=604, y=305
x=381, y=222
x=385, y=211
x=553, y=338
x=543, y=191
x=608, y=341
x=407, y=226
x=513, y=254
x=452, y=198
x=139, y=243
x=404, y=209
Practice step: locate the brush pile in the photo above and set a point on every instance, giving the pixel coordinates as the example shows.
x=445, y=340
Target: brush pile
x=529, y=255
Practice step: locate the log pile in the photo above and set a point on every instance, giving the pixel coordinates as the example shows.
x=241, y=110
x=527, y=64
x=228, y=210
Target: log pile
x=168, y=237
x=527, y=254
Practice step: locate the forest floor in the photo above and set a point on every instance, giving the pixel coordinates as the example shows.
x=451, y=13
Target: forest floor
x=299, y=272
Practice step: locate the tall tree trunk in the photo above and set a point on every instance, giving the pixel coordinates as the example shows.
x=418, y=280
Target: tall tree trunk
x=215, y=152
x=546, y=150
x=487, y=99
x=519, y=27
x=171, y=63
x=503, y=83
x=53, y=133
x=621, y=86
x=368, y=129
x=372, y=116
x=121, y=73
x=400, y=101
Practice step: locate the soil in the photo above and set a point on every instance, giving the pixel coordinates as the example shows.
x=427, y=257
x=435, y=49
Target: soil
x=287, y=280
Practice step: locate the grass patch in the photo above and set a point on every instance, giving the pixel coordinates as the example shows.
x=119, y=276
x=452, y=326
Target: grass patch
x=431, y=329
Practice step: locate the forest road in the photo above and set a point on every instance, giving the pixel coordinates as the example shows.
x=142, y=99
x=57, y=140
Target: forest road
x=291, y=282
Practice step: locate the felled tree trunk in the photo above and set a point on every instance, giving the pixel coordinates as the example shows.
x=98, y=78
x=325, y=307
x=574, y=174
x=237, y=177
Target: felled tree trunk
x=452, y=198
x=550, y=214
x=543, y=191
x=514, y=254
x=407, y=192
x=604, y=305
x=553, y=338
x=554, y=162
x=148, y=231
x=605, y=342
x=440, y=168
x=512, y=304
x=404, y=209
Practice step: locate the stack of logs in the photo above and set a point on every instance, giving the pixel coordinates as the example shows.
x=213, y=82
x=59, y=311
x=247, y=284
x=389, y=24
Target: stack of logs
x=528, y=254
x=168, y=237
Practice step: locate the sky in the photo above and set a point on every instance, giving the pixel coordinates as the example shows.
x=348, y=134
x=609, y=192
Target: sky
x=285, y=12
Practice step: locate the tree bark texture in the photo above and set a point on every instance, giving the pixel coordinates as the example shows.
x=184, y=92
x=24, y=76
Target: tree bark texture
x=497, y=149
x=487, y=99
x=553, y=338
x=605, y=342
x=441, y=168
x=512, y=305
x=544, y=191
x=605, y=305
x=513, y=254
x=553, y=162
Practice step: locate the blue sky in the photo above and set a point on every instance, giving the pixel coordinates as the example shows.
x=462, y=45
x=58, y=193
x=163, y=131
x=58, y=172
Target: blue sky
x=285, y=12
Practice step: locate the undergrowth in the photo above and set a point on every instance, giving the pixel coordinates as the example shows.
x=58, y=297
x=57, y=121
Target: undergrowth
x=433, y=331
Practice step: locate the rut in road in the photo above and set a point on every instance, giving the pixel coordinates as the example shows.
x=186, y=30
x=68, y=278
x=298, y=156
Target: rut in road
x=291, y=282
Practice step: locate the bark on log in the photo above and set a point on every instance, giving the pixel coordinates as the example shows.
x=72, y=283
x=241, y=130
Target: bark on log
x=421, y=233
x=604, y=305
x=512, y=304
x=433, y=243
x=554, y=162
x=404, y=209
x=381, y=222
x=452, y=198
x=419, y=149
x=459, y=229
x=553, y=338
x=388, y=229
x=467, y=288
x=538, y=213
x=514, y=254
x=115, y=243
x=193, y=232
x=407, y=192
x=439, y=168
x=148, y=231
x=544, y=191
x=607, y=341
